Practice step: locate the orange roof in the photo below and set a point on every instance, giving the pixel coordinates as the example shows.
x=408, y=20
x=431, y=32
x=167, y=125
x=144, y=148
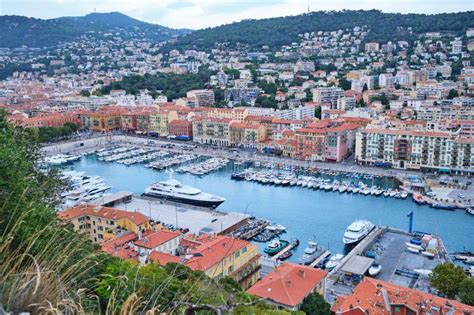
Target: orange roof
x=373, y=296
x=118, y=247
x=155, y=239
x=288, y=284
x=242, y=125
x=180, y=123
x=104, y=212
x=163, y=258
x=214, y=251
x=408, y=133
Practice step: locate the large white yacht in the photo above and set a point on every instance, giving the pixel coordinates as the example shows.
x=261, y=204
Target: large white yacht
x=173, y=190
x=357, y=231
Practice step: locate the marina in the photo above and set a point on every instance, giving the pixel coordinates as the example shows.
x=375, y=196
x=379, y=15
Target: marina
x=310, y=214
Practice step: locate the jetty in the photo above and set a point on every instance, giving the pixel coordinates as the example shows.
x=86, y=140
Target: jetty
x=290, y=246
x=320, y=258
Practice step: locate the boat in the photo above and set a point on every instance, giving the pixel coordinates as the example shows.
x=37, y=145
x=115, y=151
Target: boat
x=375, y=270
x=357, y=231
x=333, y=262
x=413, y=250
x=286, y=255
x=310, y=253
x=173, y=190
x=470, y=211
x=418, y=199
x=443, y=206
x=277, y=228
x=275, y=247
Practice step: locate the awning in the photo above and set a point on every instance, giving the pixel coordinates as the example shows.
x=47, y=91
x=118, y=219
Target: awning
x=357, y=265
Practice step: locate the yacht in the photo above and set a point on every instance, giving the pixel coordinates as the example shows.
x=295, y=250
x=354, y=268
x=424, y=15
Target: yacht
x=357, y=231
x=311, y=253
x=173, y=190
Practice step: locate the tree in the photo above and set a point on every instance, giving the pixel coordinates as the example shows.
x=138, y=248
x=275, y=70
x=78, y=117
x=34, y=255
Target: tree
x=365, y=88
x=85, y=93
x=452, y=94
x=317, y=112
x=447, y=278
x=314, y=304
x=466, y=291
x=344, y=84
x=71, y=126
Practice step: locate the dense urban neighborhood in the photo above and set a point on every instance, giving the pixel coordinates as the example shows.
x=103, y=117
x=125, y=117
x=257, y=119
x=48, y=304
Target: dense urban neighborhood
x=381, y=108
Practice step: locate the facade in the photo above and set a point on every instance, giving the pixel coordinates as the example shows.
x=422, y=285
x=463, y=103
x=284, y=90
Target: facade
x=215, y=131
x=203, y=97
x=160, y=241
x=224, y=256
x=181, y=128
x=373, y=296
x=106, y=119
x=159, y=121
x=246, y=134
x=323, y=95
x=101, y=224
x=288, y=284
x=417, y=150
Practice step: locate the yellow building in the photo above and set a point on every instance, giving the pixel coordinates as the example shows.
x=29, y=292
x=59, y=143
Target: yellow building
x=225, y=256
x=246, y=134
x=159, y=121
x=237, y=114
x=102, y=223
x=106, y=119
x=208, y=130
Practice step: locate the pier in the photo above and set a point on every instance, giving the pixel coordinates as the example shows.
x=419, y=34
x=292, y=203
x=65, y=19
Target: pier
x=290, y=246
x=320, y=259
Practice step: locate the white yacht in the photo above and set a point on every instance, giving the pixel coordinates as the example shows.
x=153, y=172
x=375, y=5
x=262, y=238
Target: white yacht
x=173, y=190
x=357, y=231
x=310, y=253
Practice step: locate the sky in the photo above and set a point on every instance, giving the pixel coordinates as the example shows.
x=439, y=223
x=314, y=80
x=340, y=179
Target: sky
x=196, y=14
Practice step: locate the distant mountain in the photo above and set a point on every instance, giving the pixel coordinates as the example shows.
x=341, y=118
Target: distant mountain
x=275, y=32
x=19, y=30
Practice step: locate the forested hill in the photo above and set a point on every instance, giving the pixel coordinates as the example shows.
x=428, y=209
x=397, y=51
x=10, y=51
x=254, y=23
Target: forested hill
x=275, y=32
x=20, y=30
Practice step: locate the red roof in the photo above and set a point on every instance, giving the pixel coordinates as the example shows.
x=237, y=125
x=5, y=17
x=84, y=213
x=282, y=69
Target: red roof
x=373, y=296
x=163, y=258
x=155, y=239
x=104, y=212
x=288, y=284
x=214, y=251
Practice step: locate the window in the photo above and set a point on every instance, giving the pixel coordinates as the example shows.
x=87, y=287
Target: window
x=244, y=250
x=237, y=254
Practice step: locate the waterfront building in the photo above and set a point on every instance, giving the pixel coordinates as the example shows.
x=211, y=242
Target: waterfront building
x=417, y=150
x=159, y=121
x=143, y=121
x=224, y=256
x=237, y=114
x=372, y=296
x=129, y=121
x=101, y=224
x=106, y=119
x=181, y=128
x=288, y=284
x=47, y=120
x=203, y=97
x=208, y=130
x=246, y=135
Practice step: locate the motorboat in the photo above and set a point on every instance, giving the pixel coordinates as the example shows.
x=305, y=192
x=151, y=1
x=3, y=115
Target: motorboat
x=173, y=190
x=357, y=231
x=311, y=253
x=334, y=261
x=375, y=270
x=470, y=211
x=275, y=246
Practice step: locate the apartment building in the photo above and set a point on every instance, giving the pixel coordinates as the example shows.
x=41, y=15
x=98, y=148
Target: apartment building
x=238, y=114
x=159, y=121
x=246, y=135
x=106, y=119
x=330, y=95
x=417, y=150
x=160, y=241
x=225, y=256
x=181, y=128
x=215, y=131
x=101, y=224
x=203, y=97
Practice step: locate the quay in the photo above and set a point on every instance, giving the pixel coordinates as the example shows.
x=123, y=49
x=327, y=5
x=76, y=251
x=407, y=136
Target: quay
x=323, y=256
x=387, y=247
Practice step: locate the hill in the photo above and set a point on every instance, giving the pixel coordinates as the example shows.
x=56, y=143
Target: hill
x=275, y=32
x=20, y=30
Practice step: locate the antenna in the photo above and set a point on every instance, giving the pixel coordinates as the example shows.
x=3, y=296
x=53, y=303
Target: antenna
x=308, y=7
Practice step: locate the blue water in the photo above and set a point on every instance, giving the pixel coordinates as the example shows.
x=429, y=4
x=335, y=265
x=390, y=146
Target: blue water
x=306, y=213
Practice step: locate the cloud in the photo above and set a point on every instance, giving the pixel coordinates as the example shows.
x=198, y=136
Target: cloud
x=197, y=14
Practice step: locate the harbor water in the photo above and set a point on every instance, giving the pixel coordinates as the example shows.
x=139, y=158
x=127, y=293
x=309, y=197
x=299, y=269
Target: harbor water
x=306, y=213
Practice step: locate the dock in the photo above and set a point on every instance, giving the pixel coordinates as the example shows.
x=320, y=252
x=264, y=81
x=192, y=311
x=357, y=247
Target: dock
x=320, y=258
x=290, y=246
x=250, y=234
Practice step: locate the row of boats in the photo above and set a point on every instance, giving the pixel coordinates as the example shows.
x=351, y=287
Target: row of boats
x=288, y=179
x=82, y=188
x=59, y=159
x=172, y=161
x=205, y=167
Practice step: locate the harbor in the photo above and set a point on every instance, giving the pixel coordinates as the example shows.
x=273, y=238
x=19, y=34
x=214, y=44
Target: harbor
x=309, y=216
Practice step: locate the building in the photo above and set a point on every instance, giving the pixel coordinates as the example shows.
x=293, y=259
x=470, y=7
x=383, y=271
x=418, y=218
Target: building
x=373, y=296
x=159, y=121
x=106, y=119
x=160, y=241
x=237, y=114
x=327, y=95
x=215, y=131
x=246, y=135
x=181, y=128
x=225, y=256
x=203, y=97
x=289, y=284
x=237, y=96
x=417, y=150
x=101, y=224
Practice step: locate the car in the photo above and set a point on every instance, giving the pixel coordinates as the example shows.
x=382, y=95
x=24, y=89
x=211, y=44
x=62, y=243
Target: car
x=461, y=196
